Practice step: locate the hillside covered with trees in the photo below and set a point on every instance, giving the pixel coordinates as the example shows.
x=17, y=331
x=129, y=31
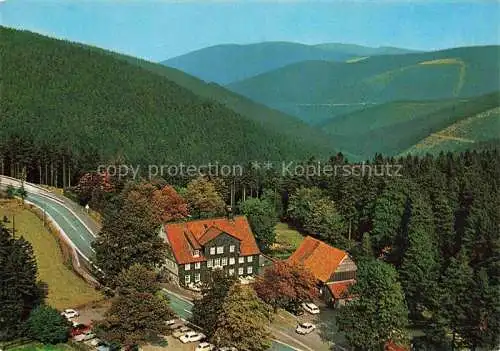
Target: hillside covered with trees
x=319, y=90
x=70, y=106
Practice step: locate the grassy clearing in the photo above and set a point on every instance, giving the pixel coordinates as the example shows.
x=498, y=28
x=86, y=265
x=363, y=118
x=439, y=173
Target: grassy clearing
x=446, y=61
x=42, y=347
x=287, y=240
x=66, y=289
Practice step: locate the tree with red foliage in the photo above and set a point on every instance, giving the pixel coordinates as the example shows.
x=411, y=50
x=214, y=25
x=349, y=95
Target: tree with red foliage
x=91, y=185
x=286, y=286
x=169, y=205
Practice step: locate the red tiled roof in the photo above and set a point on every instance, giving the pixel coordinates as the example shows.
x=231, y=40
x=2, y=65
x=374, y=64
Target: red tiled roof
x=192, y=240
x=203, y=231
x=391, y=346
x=321, y=259
x=339, y=289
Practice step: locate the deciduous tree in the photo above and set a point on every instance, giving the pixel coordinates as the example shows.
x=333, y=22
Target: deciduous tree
x=169, y=205
x=243, y=321
x=139, y=312
x=129, y=234
x=207, y=309
x=203, y=199
x=262, y=218
x=285, y=286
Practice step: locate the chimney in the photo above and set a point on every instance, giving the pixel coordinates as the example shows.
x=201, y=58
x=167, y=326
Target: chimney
x=229, y=211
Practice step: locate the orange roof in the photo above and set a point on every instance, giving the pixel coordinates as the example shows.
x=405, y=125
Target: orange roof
x=391, y=346
x=202, y=231
x=339, y=289
x=321, y=259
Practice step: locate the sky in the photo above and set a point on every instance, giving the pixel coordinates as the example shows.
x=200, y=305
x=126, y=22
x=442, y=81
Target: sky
x=161, y=29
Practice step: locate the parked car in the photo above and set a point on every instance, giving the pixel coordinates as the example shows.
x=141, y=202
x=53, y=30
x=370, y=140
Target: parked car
x=192, y=336
x=205, y=346
x=296, y=310
x=79, y=328
x=305, y=328
x=176, y=325
x=310, y=307
x=70, y=313
x=181, y=331
x=230, y=348
x=195, y=287
x=84, y=337
x=102, y=346
x=171, y=322
x=95, y=342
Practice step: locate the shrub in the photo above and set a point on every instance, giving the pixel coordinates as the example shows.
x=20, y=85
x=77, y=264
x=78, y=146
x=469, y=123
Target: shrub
x=46, y=325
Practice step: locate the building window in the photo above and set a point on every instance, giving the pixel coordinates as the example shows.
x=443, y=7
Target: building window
x=217, y=262
x=196, y=253
x=231, y=248
x=240, y=271
x=231, y=260
x=197, y=265
x=197, y=277
x=220, y=249
x=224, y=261
x=209, y=263
x=187, y=266
x=241, y=260
x=249, y=258
x=212, y=251
x=187, y=279
x=249, y=270
x=231, y=272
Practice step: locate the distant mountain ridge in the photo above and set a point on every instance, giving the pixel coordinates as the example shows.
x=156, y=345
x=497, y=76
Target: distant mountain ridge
x=320, y=90
x=228, y=63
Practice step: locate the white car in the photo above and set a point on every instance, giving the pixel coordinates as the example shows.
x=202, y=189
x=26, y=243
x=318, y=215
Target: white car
x=84, y=337
x=305, y=328
x=70, y=313
x=230, y=348
x=171, y=322
x=181, y=331
x=191, y=336
x=310, y=307
x=205, y=346
x=95, y=342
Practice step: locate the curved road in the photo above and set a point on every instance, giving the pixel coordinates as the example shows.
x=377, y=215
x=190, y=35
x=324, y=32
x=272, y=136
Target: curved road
x=76, y=225
x=81, y=231
x=78, y=233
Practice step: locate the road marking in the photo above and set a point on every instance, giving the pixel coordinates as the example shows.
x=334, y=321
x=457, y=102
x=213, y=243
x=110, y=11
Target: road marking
x=178, y=296
x=48, y=205
x=287, y=345
x=292, y=338
x=188, y=311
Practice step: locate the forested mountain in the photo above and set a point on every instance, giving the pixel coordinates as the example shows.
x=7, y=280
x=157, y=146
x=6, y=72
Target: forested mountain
x=478, y=131
x=60, y=98
x=394, y=127
x=319, y=90
x=270, y=119
x=224, y=64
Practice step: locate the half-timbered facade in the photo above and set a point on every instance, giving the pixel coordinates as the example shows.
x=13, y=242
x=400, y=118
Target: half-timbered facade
x=334, y=270
x=197, y=247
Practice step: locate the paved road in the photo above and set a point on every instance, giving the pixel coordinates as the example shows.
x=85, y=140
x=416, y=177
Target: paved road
x=79, y=228
x=182, y=307
x=76, y=231
x=81, y=231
